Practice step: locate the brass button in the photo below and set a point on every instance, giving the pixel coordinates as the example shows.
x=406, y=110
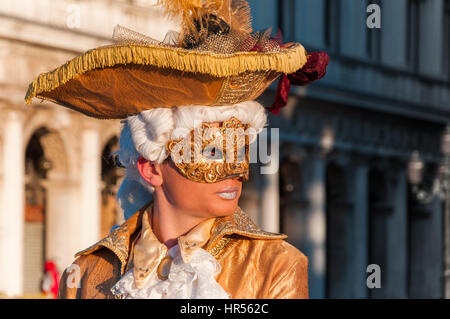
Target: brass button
x=164, y=268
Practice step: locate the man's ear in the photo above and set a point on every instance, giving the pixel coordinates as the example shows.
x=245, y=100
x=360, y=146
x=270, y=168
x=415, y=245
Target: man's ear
x=151, y=172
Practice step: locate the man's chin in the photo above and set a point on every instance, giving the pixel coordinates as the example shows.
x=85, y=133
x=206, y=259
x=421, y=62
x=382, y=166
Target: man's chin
x=224, y=207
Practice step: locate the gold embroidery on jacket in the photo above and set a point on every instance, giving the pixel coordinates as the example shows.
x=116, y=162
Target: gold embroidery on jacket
x=237, y=224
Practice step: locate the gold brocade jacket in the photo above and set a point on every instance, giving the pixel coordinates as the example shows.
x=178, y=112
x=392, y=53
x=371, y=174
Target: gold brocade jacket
x=255, y=264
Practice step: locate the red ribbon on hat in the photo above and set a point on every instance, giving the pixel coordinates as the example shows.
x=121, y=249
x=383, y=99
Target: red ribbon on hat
x=314, y=69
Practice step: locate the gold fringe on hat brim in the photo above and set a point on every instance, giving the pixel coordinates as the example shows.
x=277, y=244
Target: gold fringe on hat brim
x=288, y=60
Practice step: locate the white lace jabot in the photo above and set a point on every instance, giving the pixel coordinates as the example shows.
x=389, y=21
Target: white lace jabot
x=191, y=274
x=193, y=280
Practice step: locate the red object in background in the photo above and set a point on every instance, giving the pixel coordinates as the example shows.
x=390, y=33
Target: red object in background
x=34, y=213
x=50, y=283
x=314, y=69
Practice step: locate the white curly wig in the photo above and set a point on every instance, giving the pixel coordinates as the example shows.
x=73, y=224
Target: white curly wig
x=148, y=132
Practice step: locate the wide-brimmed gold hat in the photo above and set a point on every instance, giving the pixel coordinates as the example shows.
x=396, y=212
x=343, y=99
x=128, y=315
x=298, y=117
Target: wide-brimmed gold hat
x=215, y=60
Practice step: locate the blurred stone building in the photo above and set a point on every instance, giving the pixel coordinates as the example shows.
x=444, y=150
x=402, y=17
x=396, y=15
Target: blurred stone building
x=344, y=199
x=340, y=193
x=57, y=179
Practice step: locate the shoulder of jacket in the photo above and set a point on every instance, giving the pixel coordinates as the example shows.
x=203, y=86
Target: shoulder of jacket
x=87, y=262
x=268, y=249
x=281, y=251
x=293, y=251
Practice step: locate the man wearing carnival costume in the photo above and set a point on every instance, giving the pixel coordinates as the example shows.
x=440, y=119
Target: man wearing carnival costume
x=179, y=100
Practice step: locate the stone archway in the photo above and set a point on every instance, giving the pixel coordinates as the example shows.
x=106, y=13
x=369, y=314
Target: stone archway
x=36, y=168
x=48, y=192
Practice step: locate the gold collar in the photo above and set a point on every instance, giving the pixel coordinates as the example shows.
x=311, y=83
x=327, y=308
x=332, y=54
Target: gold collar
x=119, y=241
x=149, y=252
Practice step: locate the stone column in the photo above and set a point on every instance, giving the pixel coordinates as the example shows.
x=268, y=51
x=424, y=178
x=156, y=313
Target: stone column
x=59, y=222
x=347, y=224
x=353, y=36
x=393, y=44
x=431, y=51
x=270, y=199
x=12, y=213
x=313, y=170
x=425, y=250
x=397, y=241
x=360, y=227
x=90, y=175
x=388, y=224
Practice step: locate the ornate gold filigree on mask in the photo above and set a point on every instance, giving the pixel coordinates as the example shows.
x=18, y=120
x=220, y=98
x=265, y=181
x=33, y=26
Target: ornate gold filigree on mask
x=211, y=154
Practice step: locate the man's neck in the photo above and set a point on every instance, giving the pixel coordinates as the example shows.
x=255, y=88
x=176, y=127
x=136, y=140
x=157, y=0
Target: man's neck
x=168, y=223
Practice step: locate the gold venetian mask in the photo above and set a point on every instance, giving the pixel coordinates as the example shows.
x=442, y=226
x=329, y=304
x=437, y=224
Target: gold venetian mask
x=210, y=154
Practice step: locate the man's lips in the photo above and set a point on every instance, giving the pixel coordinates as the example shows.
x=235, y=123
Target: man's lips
x=228, y=192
